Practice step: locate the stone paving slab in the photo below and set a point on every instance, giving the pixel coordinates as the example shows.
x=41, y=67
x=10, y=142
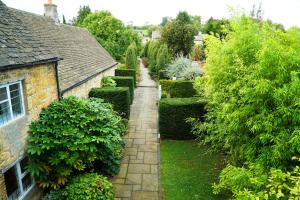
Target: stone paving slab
x=139, y=174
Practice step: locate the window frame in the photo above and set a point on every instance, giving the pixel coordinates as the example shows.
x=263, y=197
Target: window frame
x=19, y=82
x=19, y=177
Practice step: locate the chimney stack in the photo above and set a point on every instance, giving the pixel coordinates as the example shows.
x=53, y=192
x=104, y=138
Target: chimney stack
x=51, y=11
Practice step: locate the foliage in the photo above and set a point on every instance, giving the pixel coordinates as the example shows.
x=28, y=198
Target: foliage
x=86, y=186
x=183, y=69
x=126, y=72
x=71, y=136
x=111, y=33
x=131, y=56
x=152, y=56
x=179, y=34
x=188, y=170
x=217, y=27
x=108, y=82
x=173, y=113
x=252, y=88
x=119, y=97
x=121, y=66
x=162, y=58
x=145, y=50
x=125, y=81
x=83, y=12
x=198, y=53
x=162, y=74
x=89, y=186
x=178, y=88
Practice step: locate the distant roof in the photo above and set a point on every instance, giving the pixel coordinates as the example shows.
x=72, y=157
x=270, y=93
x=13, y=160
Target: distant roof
x=83, y=57
x=18, y=46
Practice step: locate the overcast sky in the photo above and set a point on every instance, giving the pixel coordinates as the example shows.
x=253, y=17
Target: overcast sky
x=139, y=12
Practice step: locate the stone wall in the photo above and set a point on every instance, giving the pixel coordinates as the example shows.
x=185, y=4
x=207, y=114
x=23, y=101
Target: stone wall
x=84, y=89
x=39, y=90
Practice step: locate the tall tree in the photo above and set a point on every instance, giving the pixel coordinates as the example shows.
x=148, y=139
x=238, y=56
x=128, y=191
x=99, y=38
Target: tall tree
x=83, y=12
x=179, y=34
x=64, y=20
x=216, y=27
x=164, y=21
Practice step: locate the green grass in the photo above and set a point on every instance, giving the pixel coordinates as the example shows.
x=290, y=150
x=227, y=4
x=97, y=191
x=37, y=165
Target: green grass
x=189, y=170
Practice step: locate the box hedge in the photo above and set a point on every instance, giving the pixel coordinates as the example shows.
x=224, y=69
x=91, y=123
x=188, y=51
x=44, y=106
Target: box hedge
x=178, y=88
x=162, y=74
x=125, y=81
x=173, y=113
x=126, y=72
x=119, y=97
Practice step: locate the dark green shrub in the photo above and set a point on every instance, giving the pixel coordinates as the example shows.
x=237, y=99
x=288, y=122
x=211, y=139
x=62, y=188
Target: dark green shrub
x=162, y=74
x=173, y=113
x=162, y=58
x=152, y=54
x=178, y=88
x=131, y=56
x=71, y=136
x=126, y=72
x=89, y=186
x=86, y=186
x=125, y=81
x=119, y=97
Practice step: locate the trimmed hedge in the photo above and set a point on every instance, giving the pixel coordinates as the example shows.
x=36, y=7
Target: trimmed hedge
x=178, y=88
x=162, y=74
x=125, y=81
x=119, y=97
x=126, y=72
x=173, y=113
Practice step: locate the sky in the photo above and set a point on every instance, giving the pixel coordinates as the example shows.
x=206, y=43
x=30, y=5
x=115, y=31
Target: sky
x=140, y=12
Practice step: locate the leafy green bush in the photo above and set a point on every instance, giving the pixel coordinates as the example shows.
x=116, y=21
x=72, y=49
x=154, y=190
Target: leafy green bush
x=86, y=186
x=126, y=72
x=173, y=113
x=184, y=69
x=131, y=56
x=125, y=81
x=73, y=135
x=121, y=66
x=162, y=74
x=119, y=97
x=178, y=88
x=162, y=58
x=152, y=54
x=252, y=87
x=108, y=82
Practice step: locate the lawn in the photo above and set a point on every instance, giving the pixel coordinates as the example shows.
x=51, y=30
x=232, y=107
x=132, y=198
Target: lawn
x=189, y=170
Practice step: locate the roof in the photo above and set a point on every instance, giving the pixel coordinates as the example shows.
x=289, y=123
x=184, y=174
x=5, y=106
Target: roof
x=18, y=46
x=83, y=57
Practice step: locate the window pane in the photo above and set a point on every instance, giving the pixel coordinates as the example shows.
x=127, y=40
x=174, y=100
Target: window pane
x=11, y=183
x=5, y=114
x=23, y=164
x=16, y=101
x=3, y=94
x=27, y=182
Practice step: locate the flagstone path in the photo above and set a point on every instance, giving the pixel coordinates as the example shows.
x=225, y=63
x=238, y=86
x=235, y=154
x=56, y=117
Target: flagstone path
x=139, y=175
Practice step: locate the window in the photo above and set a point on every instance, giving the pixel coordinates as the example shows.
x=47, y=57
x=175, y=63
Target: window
x=11, y=102
x=18, y=181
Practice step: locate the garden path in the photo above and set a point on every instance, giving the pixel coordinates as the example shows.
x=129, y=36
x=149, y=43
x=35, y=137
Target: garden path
x=139, y=175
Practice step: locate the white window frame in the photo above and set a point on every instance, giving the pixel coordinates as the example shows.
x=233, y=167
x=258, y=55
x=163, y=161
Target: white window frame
x=9, y=101
x=20, y=176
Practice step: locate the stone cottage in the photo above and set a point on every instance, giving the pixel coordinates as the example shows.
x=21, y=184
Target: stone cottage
x=41, y=60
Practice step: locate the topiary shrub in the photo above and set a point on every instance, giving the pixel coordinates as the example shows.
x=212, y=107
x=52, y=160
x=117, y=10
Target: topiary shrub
x=126, y=72
x=71, y=136
x=162, y=57
x=152, y=54
x=125, y=81
x=86, y=186
x=131, y=56
x=108, y=82
x=173, y=113
x=119, y=97
x=162, y=74
x=178, y=88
